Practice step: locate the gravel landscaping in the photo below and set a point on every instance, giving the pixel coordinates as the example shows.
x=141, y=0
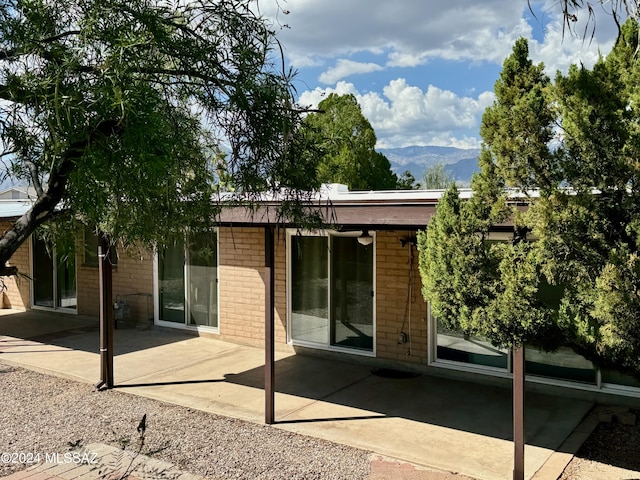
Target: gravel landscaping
x=42, y=414
x=47, y=415
x=612, y=452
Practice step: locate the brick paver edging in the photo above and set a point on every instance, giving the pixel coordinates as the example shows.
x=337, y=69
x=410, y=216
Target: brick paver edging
x=106, y=463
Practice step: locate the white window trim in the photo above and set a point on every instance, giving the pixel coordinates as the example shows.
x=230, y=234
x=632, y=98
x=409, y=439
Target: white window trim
x=599, y=386
x=291, y=232
x=156, y=297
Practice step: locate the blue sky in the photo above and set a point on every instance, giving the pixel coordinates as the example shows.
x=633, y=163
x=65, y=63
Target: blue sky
x=423, y=70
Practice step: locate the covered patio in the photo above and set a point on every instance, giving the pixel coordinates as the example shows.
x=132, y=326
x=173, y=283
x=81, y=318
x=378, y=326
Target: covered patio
x=443, y=423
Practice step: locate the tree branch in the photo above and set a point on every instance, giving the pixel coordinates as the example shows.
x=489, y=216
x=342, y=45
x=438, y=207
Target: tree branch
x=53, y=38
x=35, y=177
x=8, y=54
x=44, y=208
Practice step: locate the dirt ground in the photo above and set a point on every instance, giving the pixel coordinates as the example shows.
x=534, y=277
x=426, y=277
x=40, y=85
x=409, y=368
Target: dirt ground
x=612, y=452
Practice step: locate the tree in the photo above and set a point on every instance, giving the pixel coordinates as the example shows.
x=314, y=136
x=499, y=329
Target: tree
x=406, y=181
x=573, y=146
x=617, y=9
x=347, y=142
x=116, y=112
x=436, y=177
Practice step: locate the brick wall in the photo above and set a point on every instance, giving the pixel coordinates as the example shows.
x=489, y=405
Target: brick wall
x=392, y=293
x=132, y=275
x=17, y=291
x=241, y=292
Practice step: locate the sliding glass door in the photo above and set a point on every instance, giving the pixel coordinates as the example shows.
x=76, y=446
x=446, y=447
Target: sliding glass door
x=351, y=293
x=331, y=291
x=188, y=281
x=171, y=261
x=202, y=277
x=309, y=289
x=54, y=277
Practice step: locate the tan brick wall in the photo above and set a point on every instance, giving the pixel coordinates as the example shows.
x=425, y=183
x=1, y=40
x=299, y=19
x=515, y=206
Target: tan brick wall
x=18, y=287
x=132, y=275
x=392, y=294
x=241, y=287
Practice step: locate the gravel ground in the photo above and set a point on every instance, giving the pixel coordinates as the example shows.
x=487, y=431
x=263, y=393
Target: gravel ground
x=44, y=414
x=612, y=452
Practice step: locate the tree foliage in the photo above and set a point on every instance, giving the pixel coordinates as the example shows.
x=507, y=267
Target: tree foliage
x=406, y=181
x=569, y=150
x=617, y=10
x=436, y=177
x=117, y=112
x=347, y=142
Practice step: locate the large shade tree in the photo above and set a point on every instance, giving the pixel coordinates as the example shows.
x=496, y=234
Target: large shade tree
x=125, y=114
x=347, y=142
x=570, y=149
x=579, y=16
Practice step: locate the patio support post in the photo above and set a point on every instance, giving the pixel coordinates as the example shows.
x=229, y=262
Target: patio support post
x=518, y=413
x=269, y=318
x=106, y=316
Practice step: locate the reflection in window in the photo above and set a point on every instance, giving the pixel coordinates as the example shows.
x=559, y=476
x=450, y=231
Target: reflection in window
x=457, y=347
x=563, y=364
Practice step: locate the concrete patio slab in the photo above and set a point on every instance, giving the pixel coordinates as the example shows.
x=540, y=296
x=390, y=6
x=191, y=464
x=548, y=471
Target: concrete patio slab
x=436, y=422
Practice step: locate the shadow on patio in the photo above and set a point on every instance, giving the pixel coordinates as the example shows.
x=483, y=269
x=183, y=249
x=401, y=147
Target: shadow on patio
x=26, y=327
x=448, y=424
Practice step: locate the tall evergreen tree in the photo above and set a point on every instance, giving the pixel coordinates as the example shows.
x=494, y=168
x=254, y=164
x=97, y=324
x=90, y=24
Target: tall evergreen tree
x=569, y=149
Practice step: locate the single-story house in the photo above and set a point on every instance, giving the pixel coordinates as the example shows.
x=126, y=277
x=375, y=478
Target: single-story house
x=351, y=290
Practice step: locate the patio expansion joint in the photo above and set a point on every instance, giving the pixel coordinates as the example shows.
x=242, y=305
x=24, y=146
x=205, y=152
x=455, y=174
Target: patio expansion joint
x=318, y=400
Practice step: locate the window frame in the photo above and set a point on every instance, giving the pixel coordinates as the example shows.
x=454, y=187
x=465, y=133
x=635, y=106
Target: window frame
x=291, y=233
x=185, y=325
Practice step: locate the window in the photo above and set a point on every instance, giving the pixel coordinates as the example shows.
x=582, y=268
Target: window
x=90, y=240
x=54, y=276
x=563, y=364
x=331, y=291
x=453, y=346
x=188, y=281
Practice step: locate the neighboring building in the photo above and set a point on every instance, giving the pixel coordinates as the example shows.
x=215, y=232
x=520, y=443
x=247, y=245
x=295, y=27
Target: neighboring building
x=354, y=290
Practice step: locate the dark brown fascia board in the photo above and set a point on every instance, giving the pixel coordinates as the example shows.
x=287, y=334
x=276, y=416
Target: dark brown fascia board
x=350, y=215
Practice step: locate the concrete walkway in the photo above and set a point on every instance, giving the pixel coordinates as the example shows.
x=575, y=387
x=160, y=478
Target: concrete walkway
x=435, y=422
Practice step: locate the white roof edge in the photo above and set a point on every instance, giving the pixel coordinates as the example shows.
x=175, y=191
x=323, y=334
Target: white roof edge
x=340, y=193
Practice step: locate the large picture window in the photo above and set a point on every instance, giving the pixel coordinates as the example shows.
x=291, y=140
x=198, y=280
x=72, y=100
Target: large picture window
x=453, y=346
x=331, y=290
x=188, y=281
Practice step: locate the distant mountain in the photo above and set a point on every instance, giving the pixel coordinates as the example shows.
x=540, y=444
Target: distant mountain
x=462, y=163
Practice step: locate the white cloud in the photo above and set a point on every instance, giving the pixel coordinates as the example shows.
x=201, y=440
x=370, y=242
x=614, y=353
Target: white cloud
x=410, y=31
x=345, y=68
x=406, y=115
x=422, y=36
x=561, y=48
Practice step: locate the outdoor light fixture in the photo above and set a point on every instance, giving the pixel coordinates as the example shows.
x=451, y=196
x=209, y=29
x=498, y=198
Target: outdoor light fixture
x=365, y=239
